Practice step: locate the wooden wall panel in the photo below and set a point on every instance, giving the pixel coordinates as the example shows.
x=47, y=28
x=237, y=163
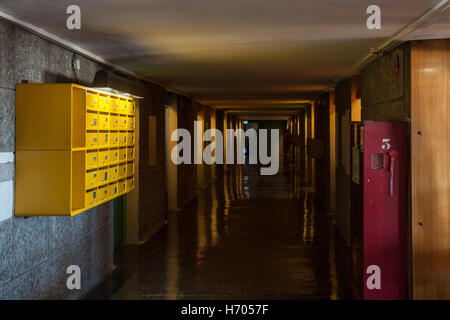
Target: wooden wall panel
x=430, y=171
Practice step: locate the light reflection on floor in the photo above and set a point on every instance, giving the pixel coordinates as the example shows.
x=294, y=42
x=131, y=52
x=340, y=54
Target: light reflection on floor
x=246, y=237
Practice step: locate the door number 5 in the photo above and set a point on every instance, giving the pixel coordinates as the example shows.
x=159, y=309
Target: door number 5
x=386, y=144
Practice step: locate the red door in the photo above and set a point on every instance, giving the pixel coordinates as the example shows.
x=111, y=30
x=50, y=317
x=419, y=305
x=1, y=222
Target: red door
x=385, y=208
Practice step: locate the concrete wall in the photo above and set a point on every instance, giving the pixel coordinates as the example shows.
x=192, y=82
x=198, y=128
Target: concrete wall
x=386, y=95
x=35, y=252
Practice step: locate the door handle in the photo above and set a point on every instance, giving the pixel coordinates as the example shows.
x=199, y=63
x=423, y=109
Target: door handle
x=393, y=156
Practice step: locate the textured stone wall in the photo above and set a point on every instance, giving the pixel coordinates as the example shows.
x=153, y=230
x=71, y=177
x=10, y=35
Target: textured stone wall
x=385, y=95
x=35, y=252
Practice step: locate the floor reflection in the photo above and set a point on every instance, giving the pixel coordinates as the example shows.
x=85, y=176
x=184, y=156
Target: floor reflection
x=245, y=237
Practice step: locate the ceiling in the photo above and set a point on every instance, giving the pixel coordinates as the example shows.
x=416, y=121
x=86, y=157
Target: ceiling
x=236, y=54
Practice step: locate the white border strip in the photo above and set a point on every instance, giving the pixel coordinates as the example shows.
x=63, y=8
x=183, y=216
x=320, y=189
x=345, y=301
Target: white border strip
x=6, y=199
x=6, y=157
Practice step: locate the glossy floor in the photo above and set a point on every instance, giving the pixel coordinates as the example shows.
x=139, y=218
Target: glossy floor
x=246, y=237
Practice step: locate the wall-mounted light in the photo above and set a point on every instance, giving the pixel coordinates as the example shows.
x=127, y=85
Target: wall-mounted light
x=117, y=92
x=110, y=82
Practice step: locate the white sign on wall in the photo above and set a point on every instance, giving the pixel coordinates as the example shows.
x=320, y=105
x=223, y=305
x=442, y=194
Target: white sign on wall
x=6, y=190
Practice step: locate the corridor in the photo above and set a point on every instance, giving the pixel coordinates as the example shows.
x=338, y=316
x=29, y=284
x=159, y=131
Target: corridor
x=246, y=236
x=124, y=126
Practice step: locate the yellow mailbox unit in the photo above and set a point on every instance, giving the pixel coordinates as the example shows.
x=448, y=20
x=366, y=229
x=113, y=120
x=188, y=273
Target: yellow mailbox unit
x=74, y=148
